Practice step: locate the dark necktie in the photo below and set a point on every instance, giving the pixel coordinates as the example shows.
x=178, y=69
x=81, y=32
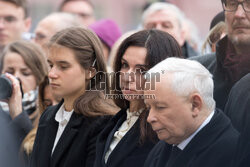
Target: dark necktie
x=173, y=156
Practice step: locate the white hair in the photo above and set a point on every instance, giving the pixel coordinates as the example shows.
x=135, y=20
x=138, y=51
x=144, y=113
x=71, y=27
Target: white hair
x=189, y=76
x=164, y=6
x=63, y=20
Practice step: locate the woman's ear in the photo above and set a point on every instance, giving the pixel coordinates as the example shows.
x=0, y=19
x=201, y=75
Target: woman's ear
x=91, y=73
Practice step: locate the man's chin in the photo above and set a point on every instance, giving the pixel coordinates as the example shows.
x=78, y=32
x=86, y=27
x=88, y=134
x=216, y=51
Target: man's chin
x=240, y=39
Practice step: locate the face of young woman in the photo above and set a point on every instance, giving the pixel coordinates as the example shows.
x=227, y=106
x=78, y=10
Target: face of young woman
x=67, y=77
x=131, y=73
x=14, y=64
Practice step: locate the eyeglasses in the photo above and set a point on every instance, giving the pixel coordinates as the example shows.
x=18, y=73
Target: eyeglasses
x=232, y=5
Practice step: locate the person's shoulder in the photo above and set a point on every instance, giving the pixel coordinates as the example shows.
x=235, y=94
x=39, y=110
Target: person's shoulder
x=205, y=59
x=102, y=120
x=159, y=148
x=221, y=120
x=208, y=61
x=155, y=157
x=49, y=113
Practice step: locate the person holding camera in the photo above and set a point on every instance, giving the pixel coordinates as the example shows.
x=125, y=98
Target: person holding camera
x=24, y=67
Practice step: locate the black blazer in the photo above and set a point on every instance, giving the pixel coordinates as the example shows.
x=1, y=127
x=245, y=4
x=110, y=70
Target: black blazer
x=128, y=152
x=76, y=147
x=213, y=146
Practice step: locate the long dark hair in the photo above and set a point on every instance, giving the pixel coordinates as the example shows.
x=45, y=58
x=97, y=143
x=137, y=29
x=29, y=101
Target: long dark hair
x=87, y=49
x=159, y=45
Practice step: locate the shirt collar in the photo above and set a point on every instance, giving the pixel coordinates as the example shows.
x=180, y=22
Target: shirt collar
x=62, y=115
x=184, y=143
x=133, y=114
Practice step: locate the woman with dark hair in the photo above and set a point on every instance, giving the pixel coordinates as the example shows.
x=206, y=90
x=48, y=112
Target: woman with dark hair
x=128, y=138
x=67, y=132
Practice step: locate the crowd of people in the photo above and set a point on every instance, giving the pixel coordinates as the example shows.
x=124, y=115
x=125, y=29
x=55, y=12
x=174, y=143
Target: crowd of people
x=82, y=93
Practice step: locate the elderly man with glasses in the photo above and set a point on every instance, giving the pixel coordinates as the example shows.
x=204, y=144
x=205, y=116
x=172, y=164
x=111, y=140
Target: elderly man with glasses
x=232, y=58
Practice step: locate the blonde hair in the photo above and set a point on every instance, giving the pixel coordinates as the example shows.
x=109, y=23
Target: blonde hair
x=214, y=35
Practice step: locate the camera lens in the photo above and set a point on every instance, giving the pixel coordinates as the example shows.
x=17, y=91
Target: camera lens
x=5, y=87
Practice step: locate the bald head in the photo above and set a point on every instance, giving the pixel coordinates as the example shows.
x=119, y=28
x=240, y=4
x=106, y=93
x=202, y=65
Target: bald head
x=53, y=23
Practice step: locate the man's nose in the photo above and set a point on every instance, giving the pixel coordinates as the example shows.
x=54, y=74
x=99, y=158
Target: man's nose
x=158, y=26
x=151, y=118
x=2, y=24
x=240, y=12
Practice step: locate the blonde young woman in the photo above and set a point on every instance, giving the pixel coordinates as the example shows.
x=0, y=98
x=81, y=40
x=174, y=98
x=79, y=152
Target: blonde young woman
x=25, y=61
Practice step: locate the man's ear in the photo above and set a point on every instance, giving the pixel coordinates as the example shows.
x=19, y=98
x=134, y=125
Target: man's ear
x=27, y=24
x=197, y=103
x=91, y=73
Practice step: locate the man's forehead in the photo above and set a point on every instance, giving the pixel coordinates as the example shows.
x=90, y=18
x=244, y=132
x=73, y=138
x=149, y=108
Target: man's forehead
x=9, y=9
x=154, y=101
x=165, y=14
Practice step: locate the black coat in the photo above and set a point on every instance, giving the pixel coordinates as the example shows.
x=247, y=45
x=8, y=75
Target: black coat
x=238, y=104
x=76, y=146
x=213, y=146
x=213, y=62
x=242, y=155
x=9, y=145
x=21, y=124
x=128, y=152
x=238, y=110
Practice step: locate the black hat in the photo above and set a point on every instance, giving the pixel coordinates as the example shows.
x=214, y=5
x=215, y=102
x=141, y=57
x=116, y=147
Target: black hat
x=218, y=18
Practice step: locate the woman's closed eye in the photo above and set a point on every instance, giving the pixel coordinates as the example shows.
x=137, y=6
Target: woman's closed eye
x=124, y=65
x=63, y=67
x=27, y=73
x=9, y=71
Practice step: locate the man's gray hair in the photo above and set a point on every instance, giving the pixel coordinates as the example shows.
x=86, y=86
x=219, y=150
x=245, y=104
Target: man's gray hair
x=63, y=20
x=189, y=76
x=164, y=6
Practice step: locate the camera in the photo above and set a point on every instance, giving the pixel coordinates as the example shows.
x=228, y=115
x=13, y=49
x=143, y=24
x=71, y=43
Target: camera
x=5, y=87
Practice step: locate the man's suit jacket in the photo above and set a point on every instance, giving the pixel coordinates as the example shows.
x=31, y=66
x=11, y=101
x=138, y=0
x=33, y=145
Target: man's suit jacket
x=76, y=146
x=128, y=152
x=213, y=146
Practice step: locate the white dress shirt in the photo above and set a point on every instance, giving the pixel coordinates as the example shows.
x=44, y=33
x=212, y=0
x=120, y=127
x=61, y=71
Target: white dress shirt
x=62, y=117
x=185, y=142
x=124, y=128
